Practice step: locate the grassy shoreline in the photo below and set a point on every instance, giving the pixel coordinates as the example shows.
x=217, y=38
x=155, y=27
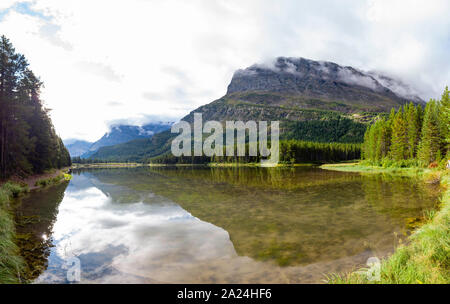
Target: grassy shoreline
x=11, y=262
x=108, y=165
x=426, y=258
x=214, y=165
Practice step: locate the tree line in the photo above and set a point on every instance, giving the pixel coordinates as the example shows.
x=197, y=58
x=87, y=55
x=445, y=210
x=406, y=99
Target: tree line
x=411, y=135
x=79, y=160
x=291, y=152
x=336, y=129
x=28, y=141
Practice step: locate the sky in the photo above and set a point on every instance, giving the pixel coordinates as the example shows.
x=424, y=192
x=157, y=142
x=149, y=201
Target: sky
x=105, y=62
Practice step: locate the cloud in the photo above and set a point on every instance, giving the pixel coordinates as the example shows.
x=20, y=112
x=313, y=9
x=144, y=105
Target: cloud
x=115, y=104
x=100, y=69
x=351, y=76
x=397, y=86
x=141, y=120
x=152, y=96
x=166, y=58
x=5, y=4
x=177, y=73
x=50, y=32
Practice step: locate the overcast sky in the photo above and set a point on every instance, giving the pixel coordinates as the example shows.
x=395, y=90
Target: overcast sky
x=105, y=61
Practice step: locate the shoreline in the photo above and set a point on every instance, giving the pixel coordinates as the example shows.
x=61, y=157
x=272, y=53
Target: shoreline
x=410, y=263
x=425, y=258
x=12, y=262
x=358, y=168
x=210, y=165
x=33, y=181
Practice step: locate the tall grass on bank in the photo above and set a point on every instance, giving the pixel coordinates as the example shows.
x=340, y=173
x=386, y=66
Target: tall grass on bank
x=53, y=180
x=11, y=263
x=426, y=259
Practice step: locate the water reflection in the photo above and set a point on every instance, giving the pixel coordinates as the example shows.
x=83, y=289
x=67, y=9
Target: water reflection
x=226, y=225
x=35, y=220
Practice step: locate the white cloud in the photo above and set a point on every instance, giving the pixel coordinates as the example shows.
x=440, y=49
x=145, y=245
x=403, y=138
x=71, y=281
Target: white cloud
x=353, y=77
x=103, y=61
x=4, y=4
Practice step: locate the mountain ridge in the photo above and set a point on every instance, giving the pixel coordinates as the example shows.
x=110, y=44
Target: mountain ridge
x=304, y=95
x=116, y=135
x=316, y=79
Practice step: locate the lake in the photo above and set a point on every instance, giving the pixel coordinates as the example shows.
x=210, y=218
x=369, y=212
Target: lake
x=216, y=225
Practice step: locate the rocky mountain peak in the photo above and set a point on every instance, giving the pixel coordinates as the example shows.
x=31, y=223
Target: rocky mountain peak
x=318, y=79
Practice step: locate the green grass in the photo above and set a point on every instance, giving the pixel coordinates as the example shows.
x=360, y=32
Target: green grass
x=51, y=180
x=426, y=258
x=14, y=189
x=11, y=263
x=358, y=167
x=107, y=165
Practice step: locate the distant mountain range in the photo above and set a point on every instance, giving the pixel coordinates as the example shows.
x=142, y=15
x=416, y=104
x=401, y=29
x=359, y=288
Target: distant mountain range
x=77, y=147
x=117, y=135
x=314, y=100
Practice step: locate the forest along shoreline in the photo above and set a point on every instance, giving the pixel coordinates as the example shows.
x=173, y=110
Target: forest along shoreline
x=12, y=263
x=32, y=154
x=425, y=259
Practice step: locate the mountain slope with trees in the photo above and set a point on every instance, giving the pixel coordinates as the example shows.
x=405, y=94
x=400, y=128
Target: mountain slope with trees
x=314, y=101
x=28, y=141
x=116, y=135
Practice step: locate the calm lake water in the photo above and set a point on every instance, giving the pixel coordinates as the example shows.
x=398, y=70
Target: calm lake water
x=216, y=225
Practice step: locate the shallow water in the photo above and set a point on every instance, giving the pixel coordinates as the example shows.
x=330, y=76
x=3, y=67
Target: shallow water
x=216, y=225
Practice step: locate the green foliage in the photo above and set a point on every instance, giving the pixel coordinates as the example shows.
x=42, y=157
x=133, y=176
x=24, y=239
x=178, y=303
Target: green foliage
x=294, y=151
x=399, y=146
x=404, y=163
x=410, y=136
x=291, y=152
x=51, y=180
x=444, y=112
x=377, y=140
x=413, y=117
x=14, y=189
x=431, y=141
x=28, y=142
x=339, y=129
x=134, y=151
x=11, y=263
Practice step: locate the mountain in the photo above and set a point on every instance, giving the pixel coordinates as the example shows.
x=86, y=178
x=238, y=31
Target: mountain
x=314, y=100
x=136, y=150
x=400, y=88
x=116, y=135
x=299, y=83
x=125, y=133
x=77, y=147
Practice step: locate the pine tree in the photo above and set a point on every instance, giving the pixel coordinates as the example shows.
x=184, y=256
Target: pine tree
x=444, y=116
x=366, y=147
x=384, y=142
x=431, y=141
x=399, y=146
x=413, y=119
x=372, y=143
x=12, y=154
x=28, y=142
x=391, y=118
